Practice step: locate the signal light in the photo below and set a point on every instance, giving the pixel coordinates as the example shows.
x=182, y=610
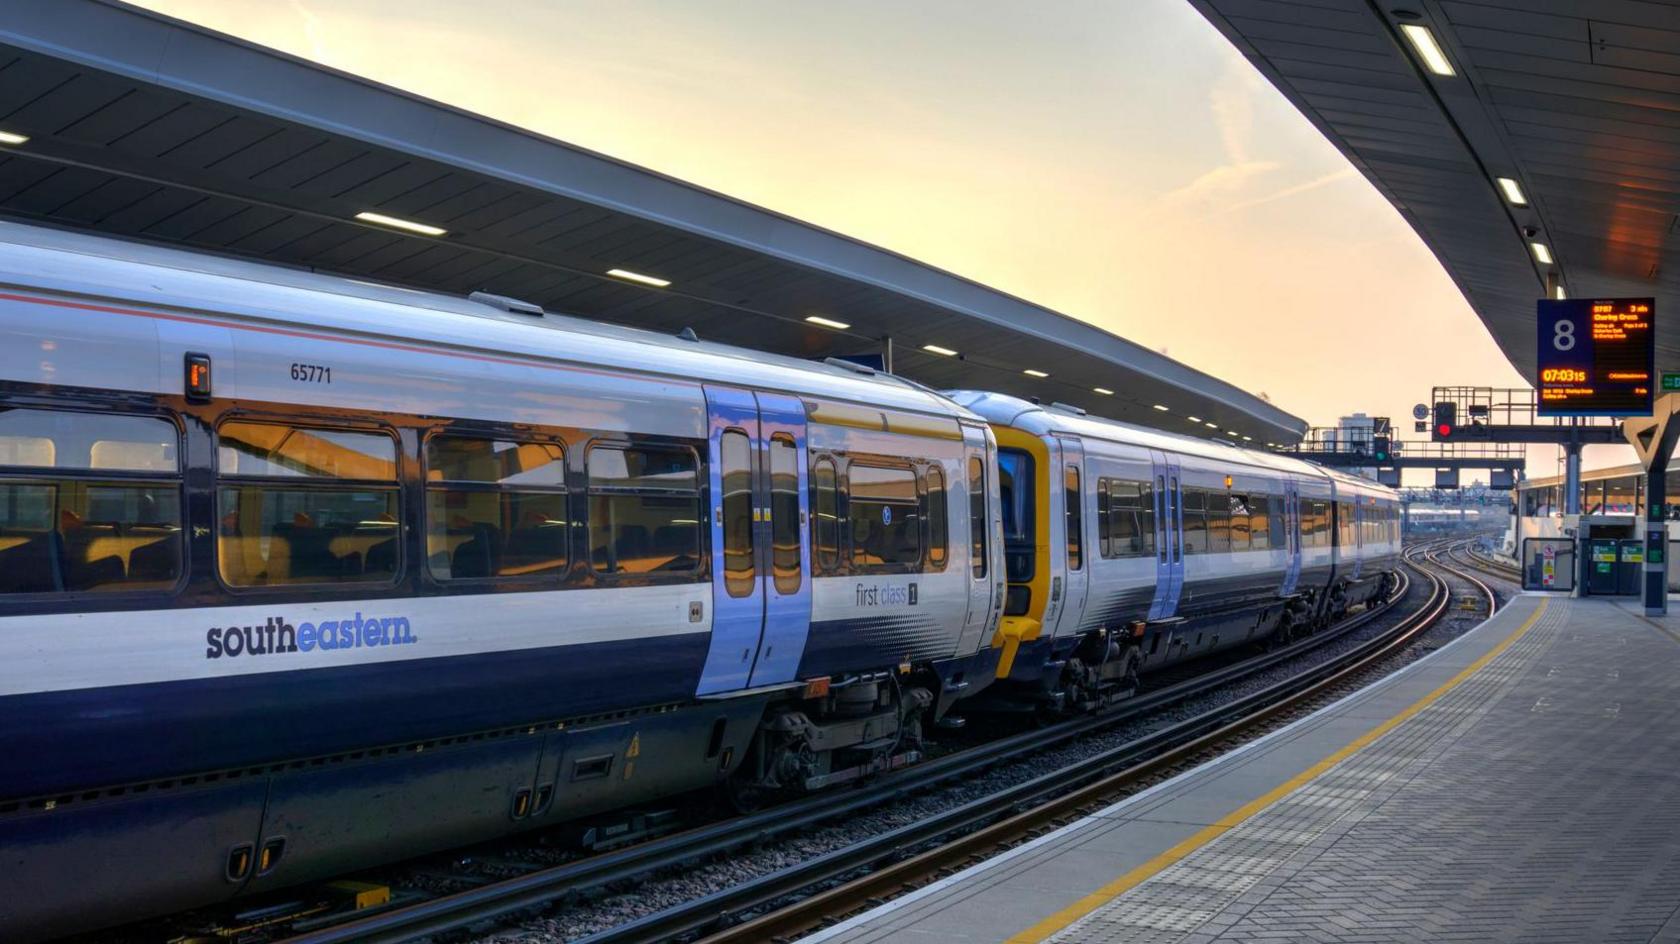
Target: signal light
x=1379, y=448
x=1446, y=420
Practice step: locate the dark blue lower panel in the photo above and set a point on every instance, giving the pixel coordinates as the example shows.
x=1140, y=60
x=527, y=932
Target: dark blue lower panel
x=873, y=643
x=97, y=737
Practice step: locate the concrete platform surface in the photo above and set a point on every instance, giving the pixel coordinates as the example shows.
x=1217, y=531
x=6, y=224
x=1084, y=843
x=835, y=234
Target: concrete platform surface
x=1520, y=784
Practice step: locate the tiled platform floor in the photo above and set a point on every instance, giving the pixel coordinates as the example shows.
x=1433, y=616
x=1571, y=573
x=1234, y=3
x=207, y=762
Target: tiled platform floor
x=1522, y=784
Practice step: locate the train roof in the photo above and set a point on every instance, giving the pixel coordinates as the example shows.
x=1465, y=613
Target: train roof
x=80, y=264
x=1042, y=420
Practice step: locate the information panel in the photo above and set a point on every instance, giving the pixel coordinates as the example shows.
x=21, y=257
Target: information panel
x=1597, y=356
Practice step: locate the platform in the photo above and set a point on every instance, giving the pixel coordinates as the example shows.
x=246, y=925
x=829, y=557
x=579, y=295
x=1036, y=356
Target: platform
x=1519, y=784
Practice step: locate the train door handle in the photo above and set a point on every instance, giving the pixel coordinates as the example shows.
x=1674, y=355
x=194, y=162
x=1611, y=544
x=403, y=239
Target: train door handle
x=239, y=859
x=269, y=858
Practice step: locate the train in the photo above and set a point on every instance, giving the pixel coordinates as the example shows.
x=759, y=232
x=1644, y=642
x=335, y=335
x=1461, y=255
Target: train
x=301, y=574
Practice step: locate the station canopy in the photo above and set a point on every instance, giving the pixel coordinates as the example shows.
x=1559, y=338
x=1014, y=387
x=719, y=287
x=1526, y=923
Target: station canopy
x=1575, y=102
x=141, y=126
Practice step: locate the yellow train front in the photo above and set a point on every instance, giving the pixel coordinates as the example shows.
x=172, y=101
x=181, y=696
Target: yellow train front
x=1128, y=549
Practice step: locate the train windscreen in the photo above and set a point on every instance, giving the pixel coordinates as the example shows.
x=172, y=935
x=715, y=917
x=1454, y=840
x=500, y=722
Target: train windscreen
x=1016, y=490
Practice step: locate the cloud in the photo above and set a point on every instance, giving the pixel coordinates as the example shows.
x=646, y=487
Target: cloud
x=1345, y=173
x=312, y=29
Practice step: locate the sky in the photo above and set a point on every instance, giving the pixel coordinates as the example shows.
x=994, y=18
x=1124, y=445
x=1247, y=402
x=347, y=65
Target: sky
x=1119, y=162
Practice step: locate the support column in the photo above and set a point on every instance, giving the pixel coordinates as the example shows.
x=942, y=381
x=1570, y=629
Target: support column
x=1572, y=506
x=1656, y=540
x=886, y=354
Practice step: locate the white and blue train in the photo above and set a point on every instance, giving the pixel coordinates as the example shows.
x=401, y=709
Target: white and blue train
x=300, y=574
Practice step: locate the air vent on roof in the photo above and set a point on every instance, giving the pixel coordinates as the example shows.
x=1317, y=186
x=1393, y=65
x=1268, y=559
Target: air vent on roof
x=852, y=366
x=1067, y=408
x=687, y=334
x=504, y=303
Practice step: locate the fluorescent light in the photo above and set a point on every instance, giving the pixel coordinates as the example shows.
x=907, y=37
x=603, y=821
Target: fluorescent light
x=1232, y=432
x=629, y=276
x=827, y=322
x=424, y=229
x=1161, y=408
x=12, y=138
x=1558, y=292
x=1427, y=48
x=1541, y=253
x=1513, y=192
x=1248, y=439
x=1194, y=419
x=1104, y=391
x=1211, y=425
x=1034, y=373
x=941, y=351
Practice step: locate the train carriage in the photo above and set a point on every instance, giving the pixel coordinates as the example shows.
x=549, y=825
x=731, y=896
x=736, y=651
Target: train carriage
x=1129, y=549
x=300, y=574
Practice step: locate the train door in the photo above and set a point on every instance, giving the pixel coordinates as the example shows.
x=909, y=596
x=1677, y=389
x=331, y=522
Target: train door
x=1358, y=549
x=761, y=594
x=1077, y=551
x=1169, y=537
x=983, y=603
x=1291, y=535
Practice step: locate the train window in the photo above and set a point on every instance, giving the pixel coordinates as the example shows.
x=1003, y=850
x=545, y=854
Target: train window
x=1219, y=522
x=89, y=502
x=300, y=505
x=938, y=519
x=886, y=529
x=495, y=508
x=1175, y=521
x=825, y=517
x=785, y=552
x=1131, y=519
x=1195, y=521
x=1344, y=524
x=977, y=517
x=1240, y=513
x=740, y=571
x=1259, y=522
x=644, y=509
x=1073, y=500
x=1103, y=528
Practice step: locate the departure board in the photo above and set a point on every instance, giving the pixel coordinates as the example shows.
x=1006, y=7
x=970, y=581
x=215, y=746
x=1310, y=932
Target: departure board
x=1597, y=356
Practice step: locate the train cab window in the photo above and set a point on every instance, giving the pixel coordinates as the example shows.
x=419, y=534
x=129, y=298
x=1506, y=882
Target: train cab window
x=977, y=518
x=302, y=505
x=938, y=519
x=1259, y=522
x=1073, y=501
x=884, y=510
x=1018, y=495
x=89, y=502
x=785, y=532
x=1195, y=521
x=495, y=508
x=644, y=509
x=825, y=517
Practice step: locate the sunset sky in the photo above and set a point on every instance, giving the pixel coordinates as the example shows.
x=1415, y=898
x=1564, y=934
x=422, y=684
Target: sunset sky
x=1118, y=162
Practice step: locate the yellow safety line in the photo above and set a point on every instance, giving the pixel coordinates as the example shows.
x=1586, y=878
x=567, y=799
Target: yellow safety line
x=1137, y=876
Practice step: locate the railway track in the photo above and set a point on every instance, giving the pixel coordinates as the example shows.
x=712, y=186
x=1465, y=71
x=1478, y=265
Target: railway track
x=851, y=877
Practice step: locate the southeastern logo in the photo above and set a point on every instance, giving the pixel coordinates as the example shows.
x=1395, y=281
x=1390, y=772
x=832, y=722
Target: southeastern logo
x=277, y=637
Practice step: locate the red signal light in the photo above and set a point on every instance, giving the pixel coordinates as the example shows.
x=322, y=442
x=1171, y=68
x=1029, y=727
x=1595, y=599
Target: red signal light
x=1444, y=430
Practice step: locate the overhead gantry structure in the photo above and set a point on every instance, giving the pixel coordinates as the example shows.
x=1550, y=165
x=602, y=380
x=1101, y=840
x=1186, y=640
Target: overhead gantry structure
x=121, y=121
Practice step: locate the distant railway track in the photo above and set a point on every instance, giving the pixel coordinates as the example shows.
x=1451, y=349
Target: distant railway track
x=847, y=878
